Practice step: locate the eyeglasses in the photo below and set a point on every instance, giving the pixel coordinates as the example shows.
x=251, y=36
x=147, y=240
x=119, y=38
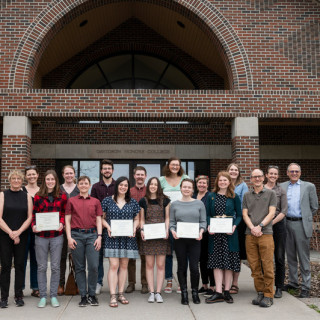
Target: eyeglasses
x=256, y=177
x=294, y=171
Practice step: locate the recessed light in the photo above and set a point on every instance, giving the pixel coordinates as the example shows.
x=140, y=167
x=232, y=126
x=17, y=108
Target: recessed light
x=181, y=24
x=83, y=23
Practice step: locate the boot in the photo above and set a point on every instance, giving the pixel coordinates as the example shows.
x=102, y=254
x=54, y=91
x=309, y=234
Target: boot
x=195, y=296
x=183, y=285
x=184, y=297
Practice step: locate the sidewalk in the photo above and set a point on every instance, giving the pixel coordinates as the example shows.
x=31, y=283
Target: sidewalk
x=287, y=307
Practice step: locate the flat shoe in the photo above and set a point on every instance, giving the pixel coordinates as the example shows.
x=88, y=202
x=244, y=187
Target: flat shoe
x=42, y=303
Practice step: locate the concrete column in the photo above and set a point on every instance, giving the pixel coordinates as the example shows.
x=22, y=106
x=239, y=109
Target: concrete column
x=245, y=144
x=16, y=145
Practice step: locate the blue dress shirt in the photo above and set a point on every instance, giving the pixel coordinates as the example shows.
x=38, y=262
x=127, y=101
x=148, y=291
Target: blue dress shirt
x=293, y=195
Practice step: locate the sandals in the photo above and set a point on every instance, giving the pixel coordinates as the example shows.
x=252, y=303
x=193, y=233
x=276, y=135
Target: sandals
x=234, y=289
x=35, y=293
x=168, y=288
x=113, y=301
x=122, y=299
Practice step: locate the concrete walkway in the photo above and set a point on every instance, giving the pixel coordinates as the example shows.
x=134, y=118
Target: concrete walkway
x=286, y=308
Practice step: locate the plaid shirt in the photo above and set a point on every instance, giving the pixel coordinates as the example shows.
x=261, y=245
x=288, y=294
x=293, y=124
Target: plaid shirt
x=41, y=204
x=100, y=190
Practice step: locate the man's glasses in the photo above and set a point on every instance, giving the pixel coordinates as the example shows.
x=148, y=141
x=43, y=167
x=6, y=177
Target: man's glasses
x=256, y=177
x=294, y=171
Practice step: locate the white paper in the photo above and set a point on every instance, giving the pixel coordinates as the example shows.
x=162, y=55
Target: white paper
x=221, y=225
x=47, y=221
x=121, y=228
x=188, y=230
x=154, y=231
x=173, y=195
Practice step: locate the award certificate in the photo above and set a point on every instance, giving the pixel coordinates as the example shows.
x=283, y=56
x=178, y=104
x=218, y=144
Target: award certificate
x=221, y=225
x=154, y=231
x=121, y=228
x=188, y=230
x=173, y=195
x=46, y=221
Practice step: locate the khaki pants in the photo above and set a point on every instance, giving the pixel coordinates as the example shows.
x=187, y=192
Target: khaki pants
x=132, y=271
x=260, y=252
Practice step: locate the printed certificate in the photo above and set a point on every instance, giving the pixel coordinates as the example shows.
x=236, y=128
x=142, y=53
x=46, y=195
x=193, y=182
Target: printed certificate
x=188, y=230
x=173, y=195
x=121, y=228
x=154, y=231
x=46, y=221
x=221, y=225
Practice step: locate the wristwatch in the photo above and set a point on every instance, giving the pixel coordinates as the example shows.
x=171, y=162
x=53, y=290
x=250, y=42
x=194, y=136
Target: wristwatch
x=261, y=225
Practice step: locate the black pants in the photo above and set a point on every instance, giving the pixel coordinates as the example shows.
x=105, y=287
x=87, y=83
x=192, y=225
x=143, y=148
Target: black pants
x=206, y=274
x=188, y=250
x=279, y=237
x=9, y=249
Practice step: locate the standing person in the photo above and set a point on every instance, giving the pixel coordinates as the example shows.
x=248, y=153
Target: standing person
x=137, y=192
x=155, y=209
x=173, y=174
x=100, y=190
x=278, y=227
x=84, y=232
x=49, y=199
x=71, y=190
x=202, y=184
x=240, y=189
x=15, y=218
x=302, y=206
x=31, y=175
x=223, y=249
x=119, y=249
x=259, y=207
x=188, y=210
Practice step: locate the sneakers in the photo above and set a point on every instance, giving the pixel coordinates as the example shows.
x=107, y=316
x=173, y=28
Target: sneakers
x=83, y=302
x=266, y=302
x=304, y=294
x=151, y=297
x=19, y=302
x=209, y=293
x=178, y=290
x=144, y=289
x=93, y=301
x=54, y=302
x=42, y=303
x=158, y=297
x=98, y=288
x=130, y=288
x=3, y=304
x=258, y=299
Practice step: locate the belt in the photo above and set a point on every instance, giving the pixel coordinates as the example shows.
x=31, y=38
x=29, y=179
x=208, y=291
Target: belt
x=92, y=230
x=294, y=219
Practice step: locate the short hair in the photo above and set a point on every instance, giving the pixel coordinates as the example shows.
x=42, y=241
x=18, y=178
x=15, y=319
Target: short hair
x=70, y=167
x=32, y=167
x=202, y=177
x=239, y=178
x=84, y=178
x=272, y=167
x=106, y=161
x=230, y=190
x=116, y=191
x=187, y=180
x=43, y=191
x=166, y=170
x=15, y=172
x=141, y=168
x=256, y=169
x=293, y=164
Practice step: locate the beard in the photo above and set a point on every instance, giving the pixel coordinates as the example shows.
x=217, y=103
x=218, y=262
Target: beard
x=107, y=175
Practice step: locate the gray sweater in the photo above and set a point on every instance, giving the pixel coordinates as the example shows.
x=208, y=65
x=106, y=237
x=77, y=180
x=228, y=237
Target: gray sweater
x=193, y=211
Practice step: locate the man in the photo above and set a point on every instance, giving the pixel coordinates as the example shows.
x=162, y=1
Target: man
x=259, y=207
x=100, y=190
x=302, y=206
x=137, y=192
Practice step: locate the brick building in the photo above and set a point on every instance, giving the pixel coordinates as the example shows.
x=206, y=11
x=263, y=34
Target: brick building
x=209, y=81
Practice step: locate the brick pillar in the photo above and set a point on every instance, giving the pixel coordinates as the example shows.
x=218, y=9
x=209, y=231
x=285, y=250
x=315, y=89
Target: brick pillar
x=245, y=144
x=16, y=145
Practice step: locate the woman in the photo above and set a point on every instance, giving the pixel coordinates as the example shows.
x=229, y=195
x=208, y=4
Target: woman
x=193, y=211
x=278, y=226
x=170, y=184
x=84, y=233
x=15, y=218
x=71, y=190
x=155, y=209
x=49, y=199
x=240, y=189
x=202, y=183
x=223, y=248
x=119, y=249
x=31, y=175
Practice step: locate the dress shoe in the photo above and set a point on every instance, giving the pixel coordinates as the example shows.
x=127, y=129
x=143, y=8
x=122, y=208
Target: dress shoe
x=216, y=297
x=60, y=290
x=278, y=293
x=288, y=287
x=195, y=296
x=304, y=294
x=130, y=288
x=227, y=297
x=184, y=297
x=144, y=289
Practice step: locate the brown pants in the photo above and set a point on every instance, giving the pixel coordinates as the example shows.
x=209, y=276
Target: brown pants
x=260, y=252
x=132, y=271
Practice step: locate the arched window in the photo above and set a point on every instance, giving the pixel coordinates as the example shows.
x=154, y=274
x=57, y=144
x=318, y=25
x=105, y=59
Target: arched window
x=132, y=71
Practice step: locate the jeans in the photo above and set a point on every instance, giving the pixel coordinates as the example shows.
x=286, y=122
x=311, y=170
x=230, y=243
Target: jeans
x=7, y=250
x=279, y=238
x=169, y=260
x=63, y=260
x=100, y=267
x=43, y=246
x=260, y=252
x=33, y=262
x=85, y=251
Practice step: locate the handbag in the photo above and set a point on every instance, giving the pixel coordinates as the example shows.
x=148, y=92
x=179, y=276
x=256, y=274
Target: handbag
x=71, y=285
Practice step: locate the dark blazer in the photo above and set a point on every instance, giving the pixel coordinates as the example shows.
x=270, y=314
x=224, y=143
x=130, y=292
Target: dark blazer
x=233, y=208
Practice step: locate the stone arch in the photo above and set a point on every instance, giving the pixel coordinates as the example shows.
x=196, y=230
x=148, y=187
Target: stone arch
x=59, y=13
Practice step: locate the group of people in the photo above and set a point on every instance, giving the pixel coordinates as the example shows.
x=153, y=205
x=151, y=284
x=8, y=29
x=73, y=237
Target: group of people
x=267, y=221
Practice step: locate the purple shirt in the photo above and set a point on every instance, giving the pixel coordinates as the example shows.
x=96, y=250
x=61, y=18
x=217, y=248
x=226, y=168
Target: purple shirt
x=100, y=190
